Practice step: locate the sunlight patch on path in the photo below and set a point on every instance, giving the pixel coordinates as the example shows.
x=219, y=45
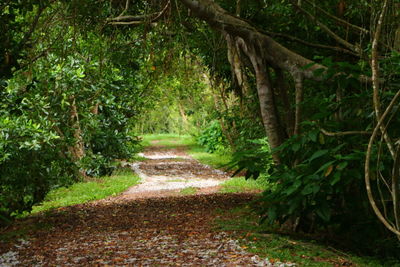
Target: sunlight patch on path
x=168, y=170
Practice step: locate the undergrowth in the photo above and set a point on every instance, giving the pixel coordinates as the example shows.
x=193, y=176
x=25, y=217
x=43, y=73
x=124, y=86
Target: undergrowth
x=87, y=191
x=268, y=242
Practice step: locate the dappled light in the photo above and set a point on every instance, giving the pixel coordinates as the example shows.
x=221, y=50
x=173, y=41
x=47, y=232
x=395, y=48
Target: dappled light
x=200, y=132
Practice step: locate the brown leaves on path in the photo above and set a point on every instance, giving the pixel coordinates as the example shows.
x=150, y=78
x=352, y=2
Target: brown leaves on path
x=169, y=231
x=144, y=226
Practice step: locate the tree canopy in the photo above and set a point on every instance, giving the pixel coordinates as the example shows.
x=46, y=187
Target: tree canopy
x=304, y=92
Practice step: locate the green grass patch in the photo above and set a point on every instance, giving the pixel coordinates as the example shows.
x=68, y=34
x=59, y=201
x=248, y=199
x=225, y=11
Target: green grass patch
x=167, y=140
x=87, y=191
x=215, y=160
x=188, y=191
x=266, y=242
x=240, y=184
x=138, y=158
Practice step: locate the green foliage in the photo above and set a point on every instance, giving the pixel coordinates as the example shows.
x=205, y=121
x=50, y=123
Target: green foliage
x=267, y=242
x=77, y=95
x=255, y=160
x=212, y=138
x=29, y=164
x=317, y=187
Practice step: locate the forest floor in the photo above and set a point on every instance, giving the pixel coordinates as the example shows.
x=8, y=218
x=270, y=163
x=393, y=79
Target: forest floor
x=178, y=215
x=152, y=224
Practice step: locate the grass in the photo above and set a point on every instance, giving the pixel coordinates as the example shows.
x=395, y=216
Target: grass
x=87, y=191
x=188, y=191
x=215, y=160
x=168, y=140
x=268, y=243
x=240, y=184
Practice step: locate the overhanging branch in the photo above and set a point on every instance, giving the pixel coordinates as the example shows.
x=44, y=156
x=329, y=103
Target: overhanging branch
x=138, y=19
x=326, y=29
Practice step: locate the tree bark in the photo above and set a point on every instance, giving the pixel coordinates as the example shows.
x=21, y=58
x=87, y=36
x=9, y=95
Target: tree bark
x=236, y=64
x=77, y=151
x=272, y=52
x=287, y=107
x=299, y=99
x=266, y=96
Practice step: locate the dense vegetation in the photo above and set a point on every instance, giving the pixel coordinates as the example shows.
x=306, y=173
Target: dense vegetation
x=304, y=93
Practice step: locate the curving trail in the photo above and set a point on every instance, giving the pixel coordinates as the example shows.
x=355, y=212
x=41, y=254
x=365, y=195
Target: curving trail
x=151, y=224
x=166, y=171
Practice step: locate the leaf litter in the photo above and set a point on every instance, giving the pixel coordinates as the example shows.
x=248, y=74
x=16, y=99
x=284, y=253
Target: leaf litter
x=154, y=227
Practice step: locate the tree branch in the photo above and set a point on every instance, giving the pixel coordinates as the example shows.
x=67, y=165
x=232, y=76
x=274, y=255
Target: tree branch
x=341, y=21
x=32, y=28
x=375, y=75
x=327, y=133
x=139, y=19
x=295, y=39
x=325, y=28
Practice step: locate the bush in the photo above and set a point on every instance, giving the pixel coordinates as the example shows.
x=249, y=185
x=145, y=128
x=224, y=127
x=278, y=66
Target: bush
x=212, y=138
x=29, y=165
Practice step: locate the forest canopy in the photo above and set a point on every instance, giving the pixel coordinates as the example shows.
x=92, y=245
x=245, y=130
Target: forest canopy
x=303, y=92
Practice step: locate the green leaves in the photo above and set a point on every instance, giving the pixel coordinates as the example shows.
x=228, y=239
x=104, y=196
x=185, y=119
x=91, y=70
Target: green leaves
x=212, y=138
x=318, y=154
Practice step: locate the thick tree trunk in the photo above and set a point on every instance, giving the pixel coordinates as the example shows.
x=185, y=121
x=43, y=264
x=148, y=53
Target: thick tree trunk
x=284, y=96
x=266, y=97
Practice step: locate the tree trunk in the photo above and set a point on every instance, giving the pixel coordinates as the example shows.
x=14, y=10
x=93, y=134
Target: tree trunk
x=299, y=99
x=273, y=52
x=266, y=97
x=239, y=77
x=77, y=151
x=287, y=107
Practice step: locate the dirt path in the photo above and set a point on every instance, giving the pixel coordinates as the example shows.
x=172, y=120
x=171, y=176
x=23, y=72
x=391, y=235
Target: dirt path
x=169, y=170
x=149, y=225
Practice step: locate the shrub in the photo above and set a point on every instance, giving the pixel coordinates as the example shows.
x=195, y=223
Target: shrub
x=212, y=138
